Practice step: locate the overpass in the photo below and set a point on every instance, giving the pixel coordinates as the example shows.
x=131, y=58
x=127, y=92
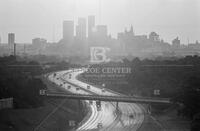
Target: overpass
x=128, y=99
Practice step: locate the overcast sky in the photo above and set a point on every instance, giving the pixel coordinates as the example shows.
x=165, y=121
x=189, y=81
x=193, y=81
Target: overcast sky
x=43, y=18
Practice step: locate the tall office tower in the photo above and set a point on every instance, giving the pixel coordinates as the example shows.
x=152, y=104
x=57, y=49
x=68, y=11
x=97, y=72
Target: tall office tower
x=11, y=38
x=154, y=36
x=68, y=31
x=91, y=26
x=81, y=29
x=101, y=31
x=176, y=43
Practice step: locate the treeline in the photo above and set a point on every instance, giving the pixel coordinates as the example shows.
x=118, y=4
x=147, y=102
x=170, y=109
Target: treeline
x=56, y=66
x=19, y=79
x=176, y=79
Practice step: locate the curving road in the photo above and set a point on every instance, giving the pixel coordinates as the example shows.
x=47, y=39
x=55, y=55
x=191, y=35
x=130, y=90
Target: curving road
x=129, y=117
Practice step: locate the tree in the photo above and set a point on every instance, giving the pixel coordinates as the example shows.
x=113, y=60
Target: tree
x=190, y=97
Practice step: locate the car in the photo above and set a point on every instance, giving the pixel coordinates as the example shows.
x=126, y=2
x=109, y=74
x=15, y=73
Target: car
x=98, y=105
x=91, y=102
x=103, y=90
x=70, y=76
x=98, y=108
x=88, y=87
x=54, y=75
x=68, y=86
x=99, y=125
x=77, y=88
x=131, y=116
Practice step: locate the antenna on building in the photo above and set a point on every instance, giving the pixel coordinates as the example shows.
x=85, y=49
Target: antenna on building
x=99, y=11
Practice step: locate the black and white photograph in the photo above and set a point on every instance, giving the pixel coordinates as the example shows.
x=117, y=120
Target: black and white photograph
x=99, y=65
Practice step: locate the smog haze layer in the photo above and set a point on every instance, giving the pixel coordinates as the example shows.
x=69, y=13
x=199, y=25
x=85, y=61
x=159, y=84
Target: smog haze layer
x=43, y=18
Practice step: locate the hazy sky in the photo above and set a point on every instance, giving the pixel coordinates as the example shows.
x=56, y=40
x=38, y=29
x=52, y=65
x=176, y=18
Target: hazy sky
x=43, y=18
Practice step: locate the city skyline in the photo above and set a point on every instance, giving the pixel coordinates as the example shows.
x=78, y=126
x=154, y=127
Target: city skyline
x=48, y=24
x=92, y=65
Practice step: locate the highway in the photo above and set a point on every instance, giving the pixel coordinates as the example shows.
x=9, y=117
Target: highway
x=129, y=117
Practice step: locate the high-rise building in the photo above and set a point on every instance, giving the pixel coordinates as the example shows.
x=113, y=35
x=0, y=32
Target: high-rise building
x=39, y=41
x=154, y=36
x=39, y=44
x=91, y=26
x=101, y=31
x=68, y=31
x=81, y=29
x=176, y=43
x=11, y=38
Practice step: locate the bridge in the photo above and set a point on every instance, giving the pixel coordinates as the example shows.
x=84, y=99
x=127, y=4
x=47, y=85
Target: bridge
x=128, y=99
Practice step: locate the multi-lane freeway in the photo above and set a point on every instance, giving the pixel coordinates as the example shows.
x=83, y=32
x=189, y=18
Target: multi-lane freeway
x=129, y=117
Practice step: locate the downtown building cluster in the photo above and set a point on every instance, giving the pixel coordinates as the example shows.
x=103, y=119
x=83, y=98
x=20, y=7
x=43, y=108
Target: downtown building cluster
x=78, y=38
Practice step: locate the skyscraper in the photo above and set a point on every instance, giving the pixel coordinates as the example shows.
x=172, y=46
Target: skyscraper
x=100, y=36
x=176, y=43
x=11, y=38
x=154, y=36
x=68, y=31
x=81, y=29
x=91, y=26
x=102, y=31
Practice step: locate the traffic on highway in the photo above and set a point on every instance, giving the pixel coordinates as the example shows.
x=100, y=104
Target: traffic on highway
x=105, y=116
